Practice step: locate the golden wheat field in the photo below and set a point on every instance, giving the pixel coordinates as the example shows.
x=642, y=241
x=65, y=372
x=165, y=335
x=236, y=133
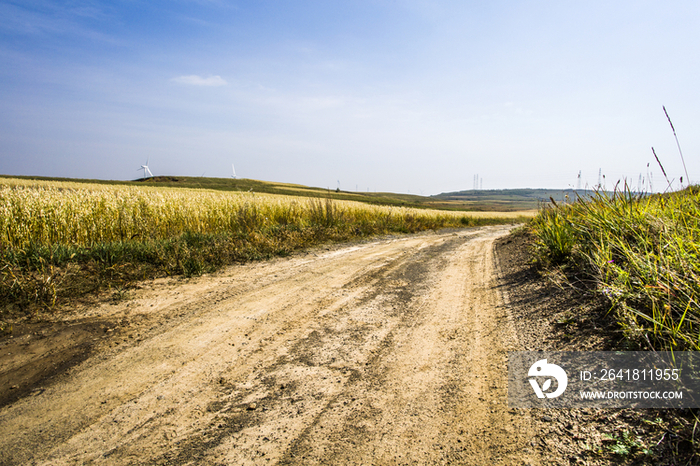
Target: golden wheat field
x=78, y=214
x=60, y=240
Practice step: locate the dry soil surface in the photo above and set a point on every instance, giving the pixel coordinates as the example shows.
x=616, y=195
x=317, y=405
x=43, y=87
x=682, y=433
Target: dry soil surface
x=387, y=352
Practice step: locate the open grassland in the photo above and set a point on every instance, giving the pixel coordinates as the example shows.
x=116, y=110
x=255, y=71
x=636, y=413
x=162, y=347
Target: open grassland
x=641, y=252
x=61, y=239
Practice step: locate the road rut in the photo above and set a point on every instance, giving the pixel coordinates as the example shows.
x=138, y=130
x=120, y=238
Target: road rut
x=388, y=352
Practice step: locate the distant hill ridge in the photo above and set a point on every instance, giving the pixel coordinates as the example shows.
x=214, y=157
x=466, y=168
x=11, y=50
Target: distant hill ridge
x=504, y=199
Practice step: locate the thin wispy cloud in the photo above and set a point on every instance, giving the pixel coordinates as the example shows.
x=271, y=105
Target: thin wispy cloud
x=194, y=80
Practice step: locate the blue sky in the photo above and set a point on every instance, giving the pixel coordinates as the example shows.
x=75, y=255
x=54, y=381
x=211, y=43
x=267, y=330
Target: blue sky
x=387, y=95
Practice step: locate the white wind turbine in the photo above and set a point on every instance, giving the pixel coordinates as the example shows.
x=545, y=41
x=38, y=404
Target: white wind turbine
x=145, y=169
x=234, y=172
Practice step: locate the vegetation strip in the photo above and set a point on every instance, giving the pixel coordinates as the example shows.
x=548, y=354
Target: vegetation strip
x=61, y=240
x=639, y=251
x=552, y=317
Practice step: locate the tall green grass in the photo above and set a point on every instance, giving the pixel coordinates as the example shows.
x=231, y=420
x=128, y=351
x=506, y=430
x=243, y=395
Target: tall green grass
x=642, y=253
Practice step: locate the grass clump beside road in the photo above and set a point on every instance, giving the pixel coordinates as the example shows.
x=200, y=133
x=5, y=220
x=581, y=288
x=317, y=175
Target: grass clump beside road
x=641, y=252
x=61, y=240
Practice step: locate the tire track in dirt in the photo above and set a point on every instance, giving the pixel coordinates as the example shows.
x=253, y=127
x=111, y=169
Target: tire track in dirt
x=391, y=352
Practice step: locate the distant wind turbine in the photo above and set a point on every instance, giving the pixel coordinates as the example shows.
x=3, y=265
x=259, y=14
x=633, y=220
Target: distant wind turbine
x=234, y=172
x=145, y=169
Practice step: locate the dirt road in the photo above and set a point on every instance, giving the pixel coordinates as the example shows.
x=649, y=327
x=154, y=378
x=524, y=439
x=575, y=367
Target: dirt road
x=386, y=352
